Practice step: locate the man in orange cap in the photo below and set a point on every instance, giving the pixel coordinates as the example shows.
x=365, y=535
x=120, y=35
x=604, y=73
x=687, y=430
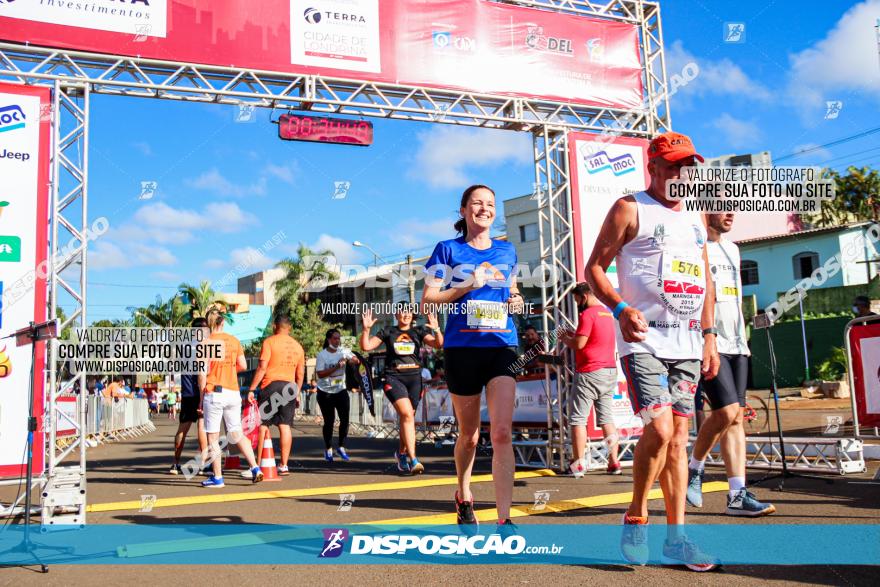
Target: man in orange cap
x=666, y=314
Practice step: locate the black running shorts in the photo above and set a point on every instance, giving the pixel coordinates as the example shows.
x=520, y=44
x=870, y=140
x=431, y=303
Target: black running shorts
x=469, y=369
x=189, y=409
x=729, y=387
x=401, y=385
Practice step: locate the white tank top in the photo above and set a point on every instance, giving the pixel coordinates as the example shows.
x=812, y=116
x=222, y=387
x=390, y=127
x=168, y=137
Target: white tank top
x=661, y=272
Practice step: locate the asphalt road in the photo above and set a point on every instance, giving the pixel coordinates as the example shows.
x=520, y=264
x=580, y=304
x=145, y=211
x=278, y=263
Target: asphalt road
x=126, y=471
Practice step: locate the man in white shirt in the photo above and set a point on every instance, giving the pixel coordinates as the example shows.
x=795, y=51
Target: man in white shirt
x=726, y=392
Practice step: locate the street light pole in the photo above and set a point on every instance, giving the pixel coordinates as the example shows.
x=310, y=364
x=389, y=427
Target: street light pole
x=369, y=248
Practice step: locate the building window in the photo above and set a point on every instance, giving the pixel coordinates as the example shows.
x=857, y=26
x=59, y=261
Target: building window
x=804, y=264
x=748, y=272
x=528, y=232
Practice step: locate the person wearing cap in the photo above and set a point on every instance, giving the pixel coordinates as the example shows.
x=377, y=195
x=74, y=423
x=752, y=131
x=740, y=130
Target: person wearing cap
x=665, y=308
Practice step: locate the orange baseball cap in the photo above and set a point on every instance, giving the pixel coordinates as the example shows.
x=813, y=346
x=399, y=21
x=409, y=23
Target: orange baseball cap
x=673, y=146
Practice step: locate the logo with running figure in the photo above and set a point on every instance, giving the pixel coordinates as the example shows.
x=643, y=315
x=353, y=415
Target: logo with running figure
x=334, y=541
x=699, y=233
x=659, y=235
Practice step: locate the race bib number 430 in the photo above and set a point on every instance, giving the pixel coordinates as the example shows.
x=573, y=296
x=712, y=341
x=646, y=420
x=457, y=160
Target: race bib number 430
x=488, y=315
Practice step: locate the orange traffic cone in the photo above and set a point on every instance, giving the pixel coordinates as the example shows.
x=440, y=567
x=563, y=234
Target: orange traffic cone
x=267, y=459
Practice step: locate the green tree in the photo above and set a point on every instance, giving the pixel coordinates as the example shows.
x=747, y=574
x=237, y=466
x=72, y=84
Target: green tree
x=172, y=312
x=199, y=297
x=857, y=198
x=309, y=270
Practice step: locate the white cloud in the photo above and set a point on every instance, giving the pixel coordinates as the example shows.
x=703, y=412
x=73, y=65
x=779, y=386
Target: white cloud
x=715, y=78
x=105, y=254
x=285, y=172
x=144, y=147
x=447, y=156
x=845, y=60
x=344, y=251
x=251, y=259
x=414, y=234
x=166, y=224
x=214, y=181
x=215, y=263
x=738, y=133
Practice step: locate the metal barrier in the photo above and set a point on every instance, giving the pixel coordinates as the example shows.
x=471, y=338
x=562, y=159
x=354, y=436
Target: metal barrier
x=111, y=419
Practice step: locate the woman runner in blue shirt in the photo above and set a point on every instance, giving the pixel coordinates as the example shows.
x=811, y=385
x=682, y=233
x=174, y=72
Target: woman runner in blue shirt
x=476, y=276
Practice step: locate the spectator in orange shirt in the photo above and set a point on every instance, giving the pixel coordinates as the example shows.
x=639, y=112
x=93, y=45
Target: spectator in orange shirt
x=279, y=377
x=221, y=400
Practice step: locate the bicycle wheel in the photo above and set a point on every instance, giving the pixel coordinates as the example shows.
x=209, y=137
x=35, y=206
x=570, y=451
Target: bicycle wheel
x=757, y=416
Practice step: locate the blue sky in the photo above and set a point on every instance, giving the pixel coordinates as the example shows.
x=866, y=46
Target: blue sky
x=224, y=188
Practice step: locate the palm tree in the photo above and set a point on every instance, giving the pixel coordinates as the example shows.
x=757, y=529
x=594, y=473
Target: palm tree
x=198, y=297
x=306, y=272
x=172, y=312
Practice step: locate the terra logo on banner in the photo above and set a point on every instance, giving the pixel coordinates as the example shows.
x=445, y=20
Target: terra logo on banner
x=143, y=18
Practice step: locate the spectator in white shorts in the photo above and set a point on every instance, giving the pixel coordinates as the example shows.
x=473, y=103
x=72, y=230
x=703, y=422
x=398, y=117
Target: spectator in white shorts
x=593, y=345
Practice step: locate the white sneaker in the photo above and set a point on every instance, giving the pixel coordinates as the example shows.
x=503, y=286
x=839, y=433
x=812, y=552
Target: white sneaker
x=247, y=474
x=578, y=468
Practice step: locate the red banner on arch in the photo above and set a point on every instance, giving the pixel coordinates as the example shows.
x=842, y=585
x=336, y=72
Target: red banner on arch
x=467, y=45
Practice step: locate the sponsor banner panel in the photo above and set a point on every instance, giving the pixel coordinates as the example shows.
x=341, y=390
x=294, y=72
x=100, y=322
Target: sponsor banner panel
x=348, y=544
x=456, y=44
x=25, y=115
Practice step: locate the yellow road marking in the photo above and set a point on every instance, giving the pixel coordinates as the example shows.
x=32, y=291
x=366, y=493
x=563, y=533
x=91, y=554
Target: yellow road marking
x=307, y=492
x=550, y=508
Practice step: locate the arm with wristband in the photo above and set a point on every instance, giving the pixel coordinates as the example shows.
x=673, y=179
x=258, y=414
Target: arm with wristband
x=620, y=227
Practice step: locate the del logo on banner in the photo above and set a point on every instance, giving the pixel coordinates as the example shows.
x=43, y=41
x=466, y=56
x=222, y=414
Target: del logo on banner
x=24, y=220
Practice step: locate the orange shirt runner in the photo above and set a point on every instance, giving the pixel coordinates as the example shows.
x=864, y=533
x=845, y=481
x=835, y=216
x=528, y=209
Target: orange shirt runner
x=224, y=372
x=286, y=359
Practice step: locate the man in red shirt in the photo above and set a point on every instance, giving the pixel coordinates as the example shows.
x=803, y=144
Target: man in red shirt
x=593, y=344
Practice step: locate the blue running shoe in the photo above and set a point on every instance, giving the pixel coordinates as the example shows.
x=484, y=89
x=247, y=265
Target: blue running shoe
x=342, y=454
x=328, y=455
x=256, y=475
x=213, y=481
x=744, y=503
x=634, y=542
x=415, y=467
x=695, y=488
x=684, y=552
x=402, y=462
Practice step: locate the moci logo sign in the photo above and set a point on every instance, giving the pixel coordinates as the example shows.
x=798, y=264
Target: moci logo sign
x=11, y=117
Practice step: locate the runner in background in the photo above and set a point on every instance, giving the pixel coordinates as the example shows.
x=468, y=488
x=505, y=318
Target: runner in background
x=727, y=392
x=666, y=313
x=476, y=273
x=403, y=375
x=221, y=400
x=190, y=411
x=280, y=377
x=332, y=395
x=171, y=400
x=593, y=345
